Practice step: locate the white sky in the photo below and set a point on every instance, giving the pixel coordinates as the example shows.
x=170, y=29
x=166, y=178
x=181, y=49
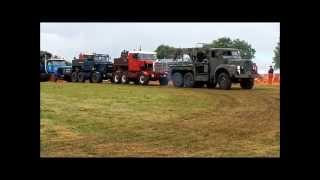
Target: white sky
x=69, y=39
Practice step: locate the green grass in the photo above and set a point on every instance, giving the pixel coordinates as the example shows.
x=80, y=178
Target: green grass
x=108, y=120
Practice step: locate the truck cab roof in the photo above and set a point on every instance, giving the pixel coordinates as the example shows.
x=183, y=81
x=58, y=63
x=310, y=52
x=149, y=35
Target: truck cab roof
x=224, y=49
x=141, y=52
x=56, y=59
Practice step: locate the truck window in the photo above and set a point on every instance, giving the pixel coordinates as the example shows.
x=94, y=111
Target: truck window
x=201, y=55
x=186, y=57
x=100, y=58
x=227, y=53
x=213, y=54
x=147, y=56
x=231, y=54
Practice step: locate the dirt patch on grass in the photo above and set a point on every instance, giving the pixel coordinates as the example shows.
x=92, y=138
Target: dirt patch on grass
x=133, y=150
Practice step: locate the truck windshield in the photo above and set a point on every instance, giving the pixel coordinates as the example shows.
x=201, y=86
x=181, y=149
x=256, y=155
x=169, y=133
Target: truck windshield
x=100, y=58
x=147, y=56
x=231, y=54
x=58, y=63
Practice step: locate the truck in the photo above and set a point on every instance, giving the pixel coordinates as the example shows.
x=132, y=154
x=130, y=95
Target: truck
x=92, y=66
x=212, y=67
x=139, y=67
x=53, y=67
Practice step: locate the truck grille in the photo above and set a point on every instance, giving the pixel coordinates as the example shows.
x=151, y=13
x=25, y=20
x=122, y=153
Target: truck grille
x=161, y=67
x=247, y=66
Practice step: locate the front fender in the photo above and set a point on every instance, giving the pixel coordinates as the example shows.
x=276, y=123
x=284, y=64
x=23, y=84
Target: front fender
x=231, y=69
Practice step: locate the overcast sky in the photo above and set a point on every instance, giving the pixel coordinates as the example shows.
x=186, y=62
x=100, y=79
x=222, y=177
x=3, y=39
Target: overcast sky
x=69, y=39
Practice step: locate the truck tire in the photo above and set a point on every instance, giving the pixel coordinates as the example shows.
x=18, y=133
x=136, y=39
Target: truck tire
x=163, y=81
x=188, y=80
x=177, y=79
x=74, y=77
x=124, y=78
x=143, y=80
x=96, y=77
x=224, y=81
x=247, y=83
x=81, y=77
x=117, y=77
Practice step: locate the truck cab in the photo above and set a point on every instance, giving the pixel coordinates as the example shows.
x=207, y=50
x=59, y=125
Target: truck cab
x=53, y=67
x=141, y=61
x=53, y=64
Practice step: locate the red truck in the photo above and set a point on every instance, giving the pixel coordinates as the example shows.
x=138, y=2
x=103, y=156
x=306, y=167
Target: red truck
x=139, y=67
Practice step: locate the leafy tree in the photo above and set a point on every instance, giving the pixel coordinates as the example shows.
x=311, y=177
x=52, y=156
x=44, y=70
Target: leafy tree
x=224, y=42
x=276, y=58
x=165, y=51
x=245, y=48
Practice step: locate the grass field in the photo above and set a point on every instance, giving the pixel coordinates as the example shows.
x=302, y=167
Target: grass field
x=108, y=120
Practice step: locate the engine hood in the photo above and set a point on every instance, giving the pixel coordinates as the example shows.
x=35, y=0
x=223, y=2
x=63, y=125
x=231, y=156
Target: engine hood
x=238, y=61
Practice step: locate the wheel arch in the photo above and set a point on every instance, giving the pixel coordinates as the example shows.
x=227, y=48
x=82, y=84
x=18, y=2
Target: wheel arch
x=183, y=72
x=229, y=69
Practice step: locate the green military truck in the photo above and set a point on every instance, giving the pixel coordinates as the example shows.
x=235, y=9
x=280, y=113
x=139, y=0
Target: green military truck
x=212, y=67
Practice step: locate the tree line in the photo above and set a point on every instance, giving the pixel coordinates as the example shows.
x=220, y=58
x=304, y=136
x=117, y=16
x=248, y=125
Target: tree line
x=246, y=50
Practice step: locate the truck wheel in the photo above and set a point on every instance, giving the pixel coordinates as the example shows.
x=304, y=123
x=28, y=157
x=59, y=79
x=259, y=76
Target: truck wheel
x=177, y=79
x=188, y=80
x=224, y=81
x=144, y=80
x=247, y=83
x=74, y=77
x=81, y=77
x=117, y=77
x=124, y=79
x=163, y=81
x=96, y=77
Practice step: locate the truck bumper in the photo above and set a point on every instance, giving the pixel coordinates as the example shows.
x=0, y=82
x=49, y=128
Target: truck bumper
x=154, y=76
x=242, y=76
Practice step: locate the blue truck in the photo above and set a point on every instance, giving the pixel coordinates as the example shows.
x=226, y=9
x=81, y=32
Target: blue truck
x=54, y=68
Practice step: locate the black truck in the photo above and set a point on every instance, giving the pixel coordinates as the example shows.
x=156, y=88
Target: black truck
x=95, y=67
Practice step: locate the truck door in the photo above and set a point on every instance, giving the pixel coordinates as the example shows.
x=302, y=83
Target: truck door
x=201, y=65
x=213, y=63
x=134, y=63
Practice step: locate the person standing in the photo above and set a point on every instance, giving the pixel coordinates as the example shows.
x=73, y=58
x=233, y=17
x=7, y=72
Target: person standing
x=270, y=75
